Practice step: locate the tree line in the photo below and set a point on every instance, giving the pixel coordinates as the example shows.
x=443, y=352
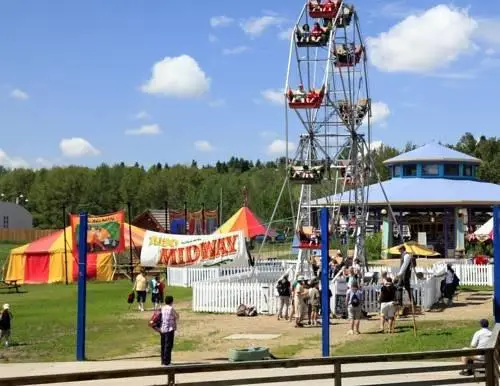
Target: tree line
x=107, y=188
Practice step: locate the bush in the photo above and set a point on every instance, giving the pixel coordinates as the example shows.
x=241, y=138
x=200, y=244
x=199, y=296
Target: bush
x=373, y=246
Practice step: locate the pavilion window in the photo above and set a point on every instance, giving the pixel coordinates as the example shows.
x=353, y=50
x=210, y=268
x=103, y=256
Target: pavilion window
x=397, y=171
x=468, y=171
x=410, y=170
x=451, y=170
x=430, y=169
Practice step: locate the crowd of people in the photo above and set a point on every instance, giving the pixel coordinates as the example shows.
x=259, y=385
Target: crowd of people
x=300, y=300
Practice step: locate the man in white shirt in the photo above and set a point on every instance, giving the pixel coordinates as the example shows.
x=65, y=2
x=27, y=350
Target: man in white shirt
x=404, y=274
x=480, y=341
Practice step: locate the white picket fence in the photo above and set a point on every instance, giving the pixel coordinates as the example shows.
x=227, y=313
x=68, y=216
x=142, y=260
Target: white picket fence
x=226, y=297
x=469, y=274
x=187, y=276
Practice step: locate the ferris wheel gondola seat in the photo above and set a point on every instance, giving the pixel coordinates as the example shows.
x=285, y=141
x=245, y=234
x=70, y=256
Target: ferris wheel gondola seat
x=348, y=111
x=301, y=100
x=306, y=176
x=347, y=57
x=318, y=37
x=327, y=10
x=345, y=19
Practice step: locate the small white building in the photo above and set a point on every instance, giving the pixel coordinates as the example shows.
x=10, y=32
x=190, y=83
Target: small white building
x=14, y=216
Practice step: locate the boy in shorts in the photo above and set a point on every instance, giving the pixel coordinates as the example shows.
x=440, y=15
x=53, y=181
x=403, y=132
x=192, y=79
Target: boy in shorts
x=354, y=302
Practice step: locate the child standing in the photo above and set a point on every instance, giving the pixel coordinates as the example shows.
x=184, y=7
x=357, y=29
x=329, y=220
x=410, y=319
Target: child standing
x=354, y=301
x=314, y=301
x=5, y=324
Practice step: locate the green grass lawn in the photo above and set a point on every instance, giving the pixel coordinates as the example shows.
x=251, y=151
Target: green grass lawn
x=45, y=322
x=431, y=335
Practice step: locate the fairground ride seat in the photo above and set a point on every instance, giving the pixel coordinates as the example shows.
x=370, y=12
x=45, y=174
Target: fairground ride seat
x=301, y=100
x=310, y=237
x=305, y=175
x=327, y=10
x=318, y=37
x=344, y=20
x=358, y=112
x=347, y=56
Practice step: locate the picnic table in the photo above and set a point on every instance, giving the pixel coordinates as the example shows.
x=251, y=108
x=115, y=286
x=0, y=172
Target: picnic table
x=10, y=285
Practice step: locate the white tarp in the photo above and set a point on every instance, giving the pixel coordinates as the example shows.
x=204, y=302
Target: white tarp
x=171, y=250
x=485, y=232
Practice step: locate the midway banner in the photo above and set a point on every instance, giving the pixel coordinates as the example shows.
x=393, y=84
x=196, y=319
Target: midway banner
x=171, y=249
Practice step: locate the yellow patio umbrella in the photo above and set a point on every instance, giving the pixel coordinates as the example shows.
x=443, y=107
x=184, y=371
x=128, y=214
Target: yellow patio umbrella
x=414, y=248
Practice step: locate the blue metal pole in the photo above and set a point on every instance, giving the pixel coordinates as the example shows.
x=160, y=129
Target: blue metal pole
x=496, y=258
x=325, y=299
x=82, y=288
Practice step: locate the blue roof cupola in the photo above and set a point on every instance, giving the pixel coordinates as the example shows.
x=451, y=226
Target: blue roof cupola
x=434, y=161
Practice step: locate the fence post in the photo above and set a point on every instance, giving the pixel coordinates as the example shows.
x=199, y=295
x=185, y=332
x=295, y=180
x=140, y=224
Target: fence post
x=337, y=368
x=489, y=364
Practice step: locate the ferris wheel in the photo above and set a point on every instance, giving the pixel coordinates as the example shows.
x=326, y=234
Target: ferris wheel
x=328, y=107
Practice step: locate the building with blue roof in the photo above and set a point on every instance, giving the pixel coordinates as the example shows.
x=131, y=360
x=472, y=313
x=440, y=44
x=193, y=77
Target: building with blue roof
x=433, y=190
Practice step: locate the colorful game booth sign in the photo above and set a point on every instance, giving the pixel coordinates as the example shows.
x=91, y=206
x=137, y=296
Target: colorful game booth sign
x=171, y=249
x=104, y=233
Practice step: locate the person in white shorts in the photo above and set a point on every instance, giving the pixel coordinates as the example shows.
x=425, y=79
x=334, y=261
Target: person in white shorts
x=387, y=300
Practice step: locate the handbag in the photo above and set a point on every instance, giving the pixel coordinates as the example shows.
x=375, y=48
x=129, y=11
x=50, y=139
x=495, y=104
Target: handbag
x=130, y=298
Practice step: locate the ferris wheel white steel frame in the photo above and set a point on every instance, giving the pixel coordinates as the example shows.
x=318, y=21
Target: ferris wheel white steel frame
x=335, y=112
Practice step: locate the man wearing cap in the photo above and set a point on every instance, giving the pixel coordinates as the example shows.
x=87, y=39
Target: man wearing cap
x=480, y=340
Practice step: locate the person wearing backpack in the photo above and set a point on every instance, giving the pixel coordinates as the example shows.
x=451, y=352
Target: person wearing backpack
x=354, y=302
x=284, y=293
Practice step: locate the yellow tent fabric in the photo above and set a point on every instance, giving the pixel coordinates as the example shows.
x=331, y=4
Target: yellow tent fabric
x=45, y=261
x=415, y=249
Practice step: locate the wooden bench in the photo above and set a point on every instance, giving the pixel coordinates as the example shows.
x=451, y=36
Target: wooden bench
x=10, y=285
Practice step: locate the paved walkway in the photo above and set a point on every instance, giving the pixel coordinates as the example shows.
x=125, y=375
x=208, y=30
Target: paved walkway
x=25, y=369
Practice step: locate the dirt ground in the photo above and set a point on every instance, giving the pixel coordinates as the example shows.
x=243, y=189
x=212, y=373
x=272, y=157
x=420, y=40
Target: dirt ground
x=201, y=335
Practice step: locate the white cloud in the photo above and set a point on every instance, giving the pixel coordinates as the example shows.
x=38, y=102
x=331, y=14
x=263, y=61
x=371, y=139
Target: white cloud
x=19, y=94
x=255, y=26
x=278, y=146
x=424, y=42
x=203, y=145
x=286, y=34
x=145, y=130
x=142, y=115
x=276, y=97
x=212, y=38
x=380, y=112
x=221, y=21
x=235, y=51
x=217, y=102
x=180, y=77
x=12, y=162
x=77, y=147
x=44, y=163
x=490, y=52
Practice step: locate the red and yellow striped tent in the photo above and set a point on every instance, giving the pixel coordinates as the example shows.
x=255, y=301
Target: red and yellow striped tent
x=44, y=260
x=244, y=220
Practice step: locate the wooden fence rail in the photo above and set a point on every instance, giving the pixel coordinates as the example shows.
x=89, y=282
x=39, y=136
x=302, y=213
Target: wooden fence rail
x=335, y=373
x=23, y=235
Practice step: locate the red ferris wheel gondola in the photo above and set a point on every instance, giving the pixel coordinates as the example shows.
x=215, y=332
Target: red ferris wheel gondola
x=347, y=55
x=300, y=99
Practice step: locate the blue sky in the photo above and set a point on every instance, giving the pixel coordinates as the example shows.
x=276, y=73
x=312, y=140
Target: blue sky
x=77, y=79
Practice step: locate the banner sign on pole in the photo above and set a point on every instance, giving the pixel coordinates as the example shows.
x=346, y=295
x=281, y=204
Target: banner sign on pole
x=170, y=249
x=105, y=233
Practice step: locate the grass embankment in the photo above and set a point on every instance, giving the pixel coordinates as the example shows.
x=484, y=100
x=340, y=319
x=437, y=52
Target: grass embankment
x=44, y=325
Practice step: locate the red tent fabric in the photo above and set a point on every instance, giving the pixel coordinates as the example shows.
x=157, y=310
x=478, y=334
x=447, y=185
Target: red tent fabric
x=244, y=220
